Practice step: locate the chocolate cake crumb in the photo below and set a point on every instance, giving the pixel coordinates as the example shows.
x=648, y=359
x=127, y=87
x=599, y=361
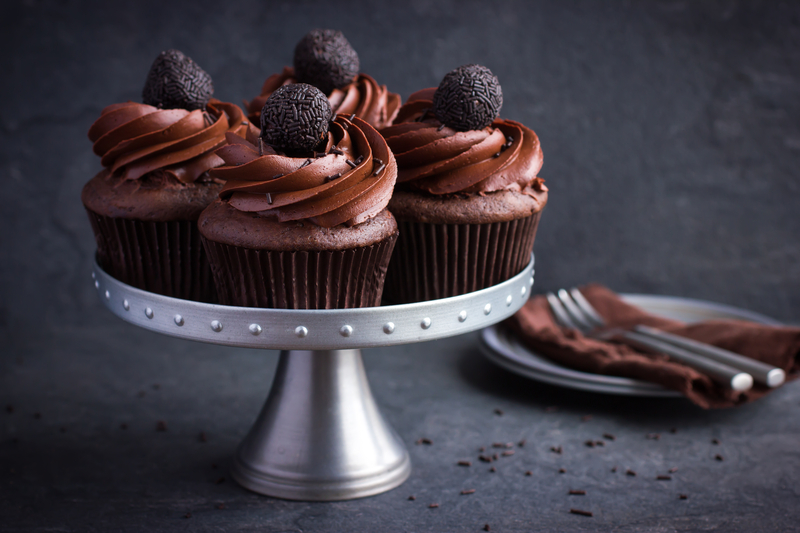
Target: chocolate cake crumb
x=581, y=512
x=464, y=463
x=562, y=470
x=574, y=492
x=468, y=491
x=683, y=497
x=161, y=425
x=493, y=469
x=556, y=449
x=486, y=527
x=718, y=457
x=521, y=443
x=614, y=470
x=528, y=473
x=412, y=498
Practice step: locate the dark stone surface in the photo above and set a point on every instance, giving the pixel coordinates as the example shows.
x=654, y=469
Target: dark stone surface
x=671, y=133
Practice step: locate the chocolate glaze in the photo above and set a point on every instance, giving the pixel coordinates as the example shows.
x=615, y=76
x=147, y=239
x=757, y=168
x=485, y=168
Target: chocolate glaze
x=136, y=139
x=438, y=160
x=260, y=180
x=364, y=97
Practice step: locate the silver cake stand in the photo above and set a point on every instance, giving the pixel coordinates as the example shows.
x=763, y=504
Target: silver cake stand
x=320, y=435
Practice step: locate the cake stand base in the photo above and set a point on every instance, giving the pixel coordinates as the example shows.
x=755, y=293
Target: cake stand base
x=320, y=435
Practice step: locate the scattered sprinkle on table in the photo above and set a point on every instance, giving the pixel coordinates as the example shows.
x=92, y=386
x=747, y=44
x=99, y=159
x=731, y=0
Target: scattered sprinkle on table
x=581, y=512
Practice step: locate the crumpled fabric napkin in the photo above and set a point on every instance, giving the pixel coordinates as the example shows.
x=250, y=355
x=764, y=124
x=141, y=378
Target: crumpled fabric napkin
x=536, y=328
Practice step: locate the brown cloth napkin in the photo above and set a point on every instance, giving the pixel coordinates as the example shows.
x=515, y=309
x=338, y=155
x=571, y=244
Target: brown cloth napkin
x=536, y=328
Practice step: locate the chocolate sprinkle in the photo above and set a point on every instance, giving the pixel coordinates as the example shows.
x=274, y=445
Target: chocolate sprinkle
x=683, y=497
x=580, y=512
x=498, y=412
x=614, y=470
x=577, y=492
x=276, y=176
x=468, y=491
x=464, y=463
x=424, y=440
x=412, y=498
x=528, y=473
x=609, y=436
x=507, y=453
x=485, y=458
x=433, y=506
x=333, y=177
x=351, y=163
x=562, y=470
x=714, y=441
x=718, y=457
x=177, y=82
x=325, y=59
x=306, y=162
x=555, y=449
x=381, y=166
x=269, y=198
x=664, y=478
x=351, y=117
x=336, y=151
x=295, y=118
x=630, y=472
x=493, y=469
x=521, y=443
x=468, y=98
x=440, y=128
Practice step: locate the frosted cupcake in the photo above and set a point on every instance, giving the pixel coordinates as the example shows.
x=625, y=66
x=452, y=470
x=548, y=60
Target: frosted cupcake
x=302, y=222
x=143, y=206
x=325, y=59
x=468, y=197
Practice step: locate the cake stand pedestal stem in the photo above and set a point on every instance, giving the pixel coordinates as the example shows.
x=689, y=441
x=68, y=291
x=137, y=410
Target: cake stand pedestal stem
x=320, y=435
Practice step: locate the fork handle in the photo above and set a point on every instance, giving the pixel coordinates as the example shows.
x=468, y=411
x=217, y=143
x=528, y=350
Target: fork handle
x=762, y=373
x=721, y=373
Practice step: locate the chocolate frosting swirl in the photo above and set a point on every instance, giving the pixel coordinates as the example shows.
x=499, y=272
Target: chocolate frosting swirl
x=136, y=139
x=364, y=98
x=439, y=160
x=348, y=183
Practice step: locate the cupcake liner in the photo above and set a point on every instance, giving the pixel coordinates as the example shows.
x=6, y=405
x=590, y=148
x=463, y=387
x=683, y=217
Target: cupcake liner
x=300, y=280
x=435, y=261
x=162, y=257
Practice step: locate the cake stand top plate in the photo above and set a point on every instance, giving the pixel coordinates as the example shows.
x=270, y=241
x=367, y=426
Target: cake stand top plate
x=330, y=329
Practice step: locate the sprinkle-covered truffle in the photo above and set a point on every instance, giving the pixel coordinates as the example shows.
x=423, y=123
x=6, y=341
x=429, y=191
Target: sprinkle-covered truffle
x=175, y=81
x=324, y=59
x=468, y=98
x=295, y=118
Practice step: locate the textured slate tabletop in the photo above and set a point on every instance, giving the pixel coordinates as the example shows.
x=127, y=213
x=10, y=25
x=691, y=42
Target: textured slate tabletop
x=671, y=133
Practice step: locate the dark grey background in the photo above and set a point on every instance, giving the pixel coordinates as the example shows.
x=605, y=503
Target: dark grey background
x=671, y=134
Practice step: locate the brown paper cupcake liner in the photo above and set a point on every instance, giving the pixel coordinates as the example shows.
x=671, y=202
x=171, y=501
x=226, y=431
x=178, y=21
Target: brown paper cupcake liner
x=162, y=257
x=435, y=261
x=300, y=280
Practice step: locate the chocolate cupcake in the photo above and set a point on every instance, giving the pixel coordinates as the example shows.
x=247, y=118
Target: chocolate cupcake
x=143, y=206
x=468, y=198
x=301, y=221
x=325, y=59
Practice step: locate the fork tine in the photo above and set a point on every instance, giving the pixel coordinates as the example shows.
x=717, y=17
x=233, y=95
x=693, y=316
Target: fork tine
x=587, y=308
x=574, y=311
x=559, y=312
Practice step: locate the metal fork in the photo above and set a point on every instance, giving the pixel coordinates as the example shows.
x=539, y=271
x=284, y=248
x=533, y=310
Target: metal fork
x=572, y=310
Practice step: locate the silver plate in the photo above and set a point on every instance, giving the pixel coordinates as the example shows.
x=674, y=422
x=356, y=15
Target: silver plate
x=502, y=347
x=333, y=329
